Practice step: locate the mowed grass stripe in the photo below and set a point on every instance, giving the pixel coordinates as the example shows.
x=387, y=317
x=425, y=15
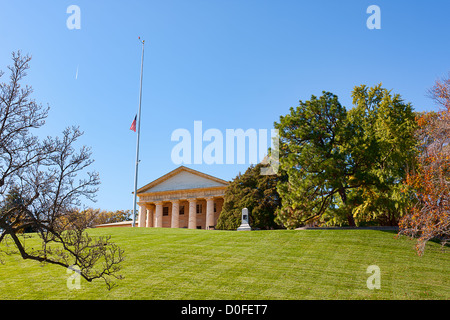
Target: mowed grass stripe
x=279, y=264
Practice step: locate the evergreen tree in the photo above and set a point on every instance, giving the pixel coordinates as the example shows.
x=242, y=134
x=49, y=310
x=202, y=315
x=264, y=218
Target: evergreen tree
x=254, y=191
x=344, y=165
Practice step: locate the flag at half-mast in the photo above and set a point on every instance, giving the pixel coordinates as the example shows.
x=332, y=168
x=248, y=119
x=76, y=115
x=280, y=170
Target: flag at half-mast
x=133, y=125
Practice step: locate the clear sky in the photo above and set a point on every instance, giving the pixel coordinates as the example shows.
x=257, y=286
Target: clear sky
x=230, y=64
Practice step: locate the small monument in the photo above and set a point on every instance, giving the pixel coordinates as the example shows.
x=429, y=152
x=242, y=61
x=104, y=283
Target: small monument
x=244, y=222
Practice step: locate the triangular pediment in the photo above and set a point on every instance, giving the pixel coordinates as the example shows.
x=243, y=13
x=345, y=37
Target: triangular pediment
x=183, y=178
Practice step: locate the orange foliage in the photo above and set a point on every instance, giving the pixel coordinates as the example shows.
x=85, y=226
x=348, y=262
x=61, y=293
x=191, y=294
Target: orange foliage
x=430, y=216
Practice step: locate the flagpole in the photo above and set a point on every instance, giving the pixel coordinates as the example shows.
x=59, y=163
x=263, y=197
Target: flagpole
x=137, y=142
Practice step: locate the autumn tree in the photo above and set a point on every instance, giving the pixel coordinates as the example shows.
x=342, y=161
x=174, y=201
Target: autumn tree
x=43, y=180
x=94, y=217
x=429, y=181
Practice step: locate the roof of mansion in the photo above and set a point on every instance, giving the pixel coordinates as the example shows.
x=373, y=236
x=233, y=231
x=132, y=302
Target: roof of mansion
x=182, y=178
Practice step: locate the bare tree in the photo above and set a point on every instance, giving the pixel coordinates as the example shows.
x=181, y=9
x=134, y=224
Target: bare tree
x=39, y=189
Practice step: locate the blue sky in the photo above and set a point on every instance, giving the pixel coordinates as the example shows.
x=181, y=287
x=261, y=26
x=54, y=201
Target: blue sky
x=230, y=64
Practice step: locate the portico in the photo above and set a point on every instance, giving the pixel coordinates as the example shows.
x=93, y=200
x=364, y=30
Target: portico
x=183, y=198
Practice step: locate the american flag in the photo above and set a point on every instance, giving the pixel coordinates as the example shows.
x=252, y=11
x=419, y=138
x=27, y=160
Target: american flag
x=133, y=125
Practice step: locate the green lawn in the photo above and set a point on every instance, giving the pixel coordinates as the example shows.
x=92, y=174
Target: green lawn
x=199, y=264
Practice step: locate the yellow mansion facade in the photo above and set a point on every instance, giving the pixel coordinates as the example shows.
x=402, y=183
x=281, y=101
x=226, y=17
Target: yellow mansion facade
x=182, y=198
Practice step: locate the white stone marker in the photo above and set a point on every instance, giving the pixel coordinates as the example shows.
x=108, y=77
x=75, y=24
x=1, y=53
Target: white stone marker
x=244, y=222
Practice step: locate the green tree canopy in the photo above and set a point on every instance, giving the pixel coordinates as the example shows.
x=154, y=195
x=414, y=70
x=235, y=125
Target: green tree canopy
x=254, y=191
x=342, y=164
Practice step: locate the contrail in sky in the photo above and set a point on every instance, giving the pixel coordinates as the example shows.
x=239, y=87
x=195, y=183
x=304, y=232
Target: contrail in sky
x=76, y=75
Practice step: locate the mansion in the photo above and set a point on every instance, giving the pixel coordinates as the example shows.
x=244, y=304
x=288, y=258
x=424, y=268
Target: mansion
x=182, y=198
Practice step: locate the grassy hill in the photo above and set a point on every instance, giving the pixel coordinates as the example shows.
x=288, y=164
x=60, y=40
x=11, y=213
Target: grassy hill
x=199, y=264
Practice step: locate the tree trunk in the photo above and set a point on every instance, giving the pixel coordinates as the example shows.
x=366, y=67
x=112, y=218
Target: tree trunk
x=351, y=221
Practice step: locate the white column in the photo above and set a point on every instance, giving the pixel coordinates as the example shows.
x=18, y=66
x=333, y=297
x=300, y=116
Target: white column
x=209, y=213
x=149, y=217
x=175, y=214
x=158, y=214
x=142, y=216
x=192, y=214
